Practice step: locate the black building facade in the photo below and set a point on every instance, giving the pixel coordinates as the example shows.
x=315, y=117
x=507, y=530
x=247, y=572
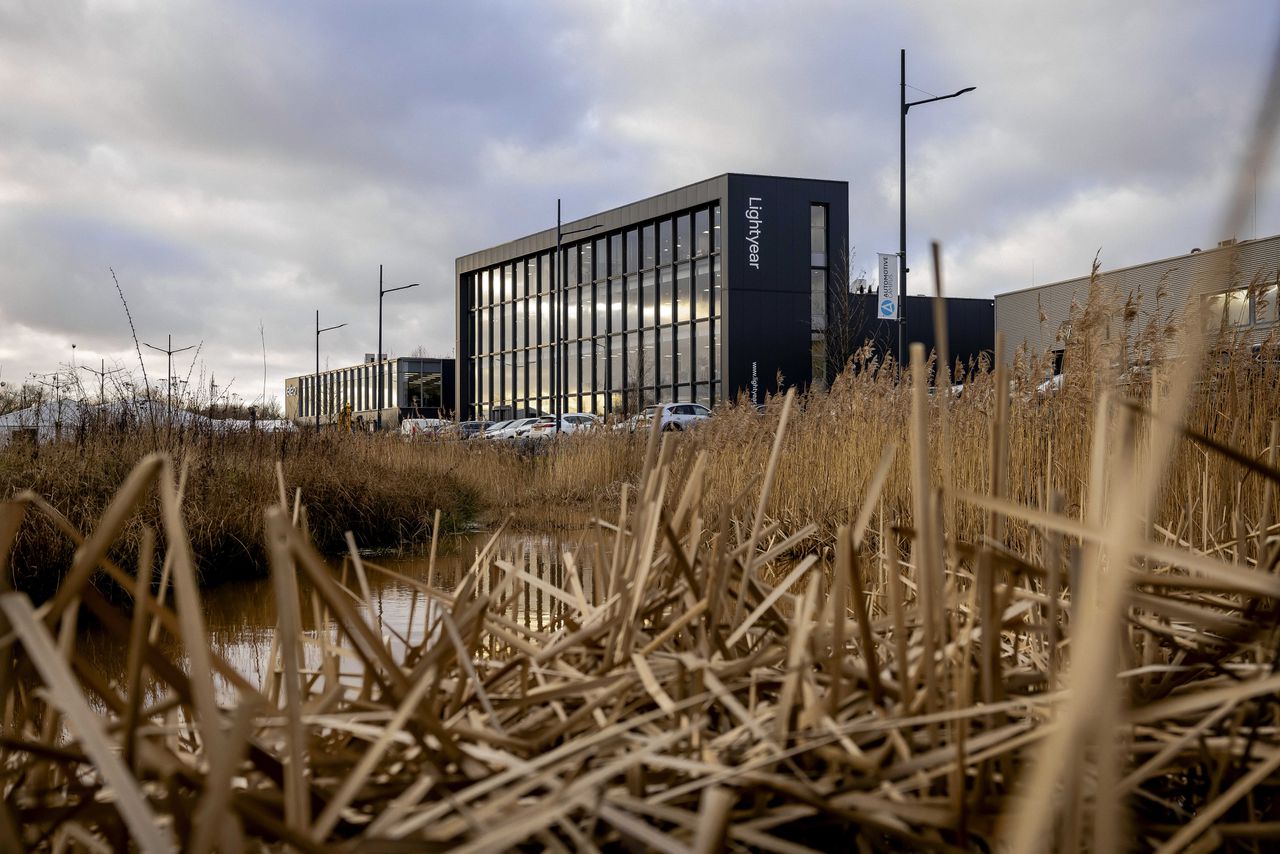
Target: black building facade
x=699, y=294
x=970, y=328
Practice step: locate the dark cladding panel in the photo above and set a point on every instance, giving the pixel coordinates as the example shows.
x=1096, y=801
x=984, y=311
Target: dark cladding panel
x=767, y=263
x=970, y=327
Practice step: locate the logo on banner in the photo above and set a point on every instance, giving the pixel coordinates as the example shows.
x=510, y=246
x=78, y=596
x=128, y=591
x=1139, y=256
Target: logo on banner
x=887, y=306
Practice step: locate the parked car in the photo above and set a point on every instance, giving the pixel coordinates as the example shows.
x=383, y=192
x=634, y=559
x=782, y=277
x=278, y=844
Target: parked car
x=423, y=428
x=545, y=427
x=471, y=429
x=510, y=430
x=673, y=416
x=629, y=425
x=496, y=427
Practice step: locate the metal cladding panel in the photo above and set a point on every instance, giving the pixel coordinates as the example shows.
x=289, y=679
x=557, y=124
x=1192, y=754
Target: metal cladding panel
x=970, y=327
x=766, y=282
x=702, y=192
x=1034, y=318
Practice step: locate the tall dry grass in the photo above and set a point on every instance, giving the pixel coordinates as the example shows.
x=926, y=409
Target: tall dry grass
x=385, y=493
x=838, y=438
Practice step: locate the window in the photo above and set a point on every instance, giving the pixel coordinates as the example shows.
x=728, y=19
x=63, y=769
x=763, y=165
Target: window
x=664, y=242
x=682, y=238
x=632, y=297
x=817, y=235
x=702, y=349
x=702, y=232
x=602, y=308
x=1230, y=309
x=615, y=254
x=665, y=295
x=818, y=300
x=715, y=229
x=717, y=307
x=684, y=293
x=633, y=250
x=600, y=269
x=666, y=357
x=1264, y=305
x=684, y=353
x=585, y=251
x=649, y=246
x=544, y=319
x=702, y=288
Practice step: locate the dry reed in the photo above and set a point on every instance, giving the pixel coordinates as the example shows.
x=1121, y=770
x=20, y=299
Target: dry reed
x=682, y=697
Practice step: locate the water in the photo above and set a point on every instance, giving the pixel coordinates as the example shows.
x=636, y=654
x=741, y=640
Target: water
x=240, y=617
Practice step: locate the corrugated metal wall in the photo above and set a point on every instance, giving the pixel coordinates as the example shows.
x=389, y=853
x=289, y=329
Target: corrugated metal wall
x=1034, y=317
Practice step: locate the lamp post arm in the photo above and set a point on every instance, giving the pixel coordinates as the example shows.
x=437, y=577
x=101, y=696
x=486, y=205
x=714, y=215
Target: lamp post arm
x=402, y=288
x=909, y=104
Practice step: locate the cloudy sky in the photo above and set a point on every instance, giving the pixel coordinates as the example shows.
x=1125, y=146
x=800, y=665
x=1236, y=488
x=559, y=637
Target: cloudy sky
x=242, y=164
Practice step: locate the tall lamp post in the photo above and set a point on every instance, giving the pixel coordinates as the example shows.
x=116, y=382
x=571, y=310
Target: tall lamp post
x=316, y=390
x=102, y=378
x=560, y=373
x=169, y=351
x=902, y=198
x=377, y=357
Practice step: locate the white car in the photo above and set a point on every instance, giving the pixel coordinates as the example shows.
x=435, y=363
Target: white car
x=673, y=416
x=545, y=427
x=495, y=428
x=510, y=431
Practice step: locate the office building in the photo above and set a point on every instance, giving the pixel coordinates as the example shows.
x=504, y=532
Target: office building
x=703, y=293
x=411, y=388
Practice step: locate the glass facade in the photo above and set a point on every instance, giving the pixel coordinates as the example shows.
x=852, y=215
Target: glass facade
x=414, y=386
x=641, y=321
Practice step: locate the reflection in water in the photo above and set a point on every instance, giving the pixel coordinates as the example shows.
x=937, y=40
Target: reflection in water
x=240, y=617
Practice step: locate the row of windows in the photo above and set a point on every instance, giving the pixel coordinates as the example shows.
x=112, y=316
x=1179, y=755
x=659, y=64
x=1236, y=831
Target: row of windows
x=1238, y=307
x=358, y=386
x=667, y=241
x=687, y=292
x=653, y=364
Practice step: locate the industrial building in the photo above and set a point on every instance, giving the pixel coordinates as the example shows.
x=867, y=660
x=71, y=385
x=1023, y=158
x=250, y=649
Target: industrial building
x=411, y=388
x=1237, y=281
x=700, y=294
x=853, y=326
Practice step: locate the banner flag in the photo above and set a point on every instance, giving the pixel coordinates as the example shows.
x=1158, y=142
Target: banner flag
x=887, y=302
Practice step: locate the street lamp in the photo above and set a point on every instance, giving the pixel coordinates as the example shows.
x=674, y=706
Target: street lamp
x=377, y=357
x=902, y=198
x=102, y=378
x=560, y=321
x=169, y=351
x=316, y=389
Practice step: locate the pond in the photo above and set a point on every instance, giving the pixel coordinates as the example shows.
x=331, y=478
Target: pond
x=240, y=617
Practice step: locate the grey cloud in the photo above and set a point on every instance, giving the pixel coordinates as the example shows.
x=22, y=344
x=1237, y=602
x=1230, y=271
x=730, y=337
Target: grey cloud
x=246, y=162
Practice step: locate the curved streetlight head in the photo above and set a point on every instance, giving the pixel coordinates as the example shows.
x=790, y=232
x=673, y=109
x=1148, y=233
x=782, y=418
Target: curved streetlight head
x=401, y=288
x=967, y=89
